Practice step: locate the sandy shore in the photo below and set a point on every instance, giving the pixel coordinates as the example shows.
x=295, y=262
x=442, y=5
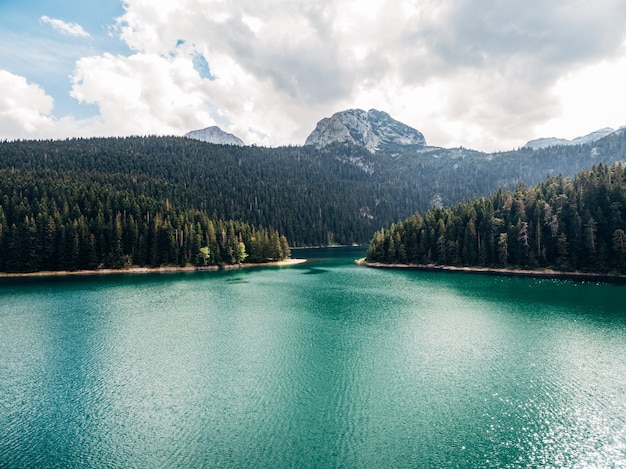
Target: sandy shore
x=151, y=270
x=545, y=273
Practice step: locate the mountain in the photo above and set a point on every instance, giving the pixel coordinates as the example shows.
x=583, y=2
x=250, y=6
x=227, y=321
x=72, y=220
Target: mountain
x=214, y=135
x=593, y=136
x=546, y=142
x=553, y=141
x=373, y=130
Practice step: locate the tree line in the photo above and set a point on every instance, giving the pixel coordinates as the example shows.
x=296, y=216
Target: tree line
x=50, y=223
x=338, y=194
x=564, y=223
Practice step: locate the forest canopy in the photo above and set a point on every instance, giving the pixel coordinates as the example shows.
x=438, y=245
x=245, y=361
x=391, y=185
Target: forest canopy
x=562, y=223
x=339, y=194
x=51, y=223
x=157, y=200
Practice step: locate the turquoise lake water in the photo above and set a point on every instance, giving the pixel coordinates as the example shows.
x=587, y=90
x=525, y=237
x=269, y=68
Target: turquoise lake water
x=324, y=364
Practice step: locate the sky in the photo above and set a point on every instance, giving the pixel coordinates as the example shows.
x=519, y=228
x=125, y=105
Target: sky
x=483, y=74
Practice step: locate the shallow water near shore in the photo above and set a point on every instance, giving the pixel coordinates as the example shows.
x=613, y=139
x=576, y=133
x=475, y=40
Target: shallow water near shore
x=323, y=364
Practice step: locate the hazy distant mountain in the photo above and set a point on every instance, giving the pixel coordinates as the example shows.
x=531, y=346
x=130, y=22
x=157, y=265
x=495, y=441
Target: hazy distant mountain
x=372, y=129
x=214, y=135
x=552, y=141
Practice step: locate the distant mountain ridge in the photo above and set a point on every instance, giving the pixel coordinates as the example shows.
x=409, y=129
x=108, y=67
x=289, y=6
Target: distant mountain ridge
x=215, y=135
x=553, y=141
x=377, y=131
x=372, y=129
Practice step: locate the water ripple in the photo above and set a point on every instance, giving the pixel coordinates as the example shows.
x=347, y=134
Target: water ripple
x=354, y=368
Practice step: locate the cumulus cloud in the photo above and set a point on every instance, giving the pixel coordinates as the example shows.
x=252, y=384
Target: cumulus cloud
x=595, y=92
x=149, y=93
x=142, y=94
x=465, y=72
x=25, y=111
x=492, y=66
x=69, y=29
x=500, y=61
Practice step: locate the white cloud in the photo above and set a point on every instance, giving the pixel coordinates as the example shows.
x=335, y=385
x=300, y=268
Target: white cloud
x=25, y=110
x=143, y=94
x=484, y=77
x=69, y=29
x=26, y=113
x=594, y=93
x=153, y=94
x=463, y=74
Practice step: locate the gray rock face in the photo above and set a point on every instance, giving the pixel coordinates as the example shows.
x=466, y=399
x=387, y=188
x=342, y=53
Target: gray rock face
x=371, y=129
x=593, y=136
x=214, y=135
x=552, y=141
x=547, y=142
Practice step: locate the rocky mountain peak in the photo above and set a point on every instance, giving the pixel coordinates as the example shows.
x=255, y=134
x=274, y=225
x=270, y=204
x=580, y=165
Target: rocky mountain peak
x=552, y=141
x=214, y=135
x=372, y=129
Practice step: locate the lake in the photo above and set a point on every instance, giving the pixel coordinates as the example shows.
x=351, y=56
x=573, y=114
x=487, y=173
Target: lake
x=323, y=364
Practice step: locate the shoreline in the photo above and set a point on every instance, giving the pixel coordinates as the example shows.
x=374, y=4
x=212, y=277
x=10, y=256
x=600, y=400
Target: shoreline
x=150, y=270
x=331, y=246
x=532, y=273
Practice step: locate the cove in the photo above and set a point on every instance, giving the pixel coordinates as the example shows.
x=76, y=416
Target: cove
x=323, y=364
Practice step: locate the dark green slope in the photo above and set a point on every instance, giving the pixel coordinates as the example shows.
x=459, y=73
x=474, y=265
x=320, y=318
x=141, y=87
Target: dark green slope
x=340, y=193
x=72, y=222
x=563, y=223
x=310, y=196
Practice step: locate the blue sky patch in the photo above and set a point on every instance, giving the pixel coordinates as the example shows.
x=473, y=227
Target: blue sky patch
x=202, y=67
x=48, y=57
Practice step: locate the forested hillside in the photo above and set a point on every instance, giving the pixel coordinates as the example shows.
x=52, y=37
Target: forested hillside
x=565, y=223
x=75, y=221
x=309, y=199
x=339, y=194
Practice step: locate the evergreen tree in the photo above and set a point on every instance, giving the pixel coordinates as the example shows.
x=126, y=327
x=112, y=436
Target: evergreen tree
x=562, y=223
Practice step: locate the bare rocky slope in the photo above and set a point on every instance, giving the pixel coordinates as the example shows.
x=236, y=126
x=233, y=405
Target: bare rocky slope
x=372, y=129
